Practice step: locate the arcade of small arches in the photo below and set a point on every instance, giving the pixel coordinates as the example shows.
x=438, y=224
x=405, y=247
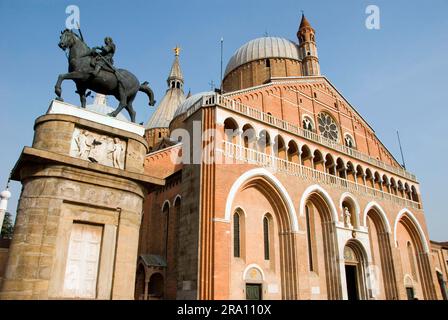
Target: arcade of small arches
x=347, y=281
x=311, y=157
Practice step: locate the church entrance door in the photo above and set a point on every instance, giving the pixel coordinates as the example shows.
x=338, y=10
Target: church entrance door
x=354, y=272
x=352, y=282
x=253, y=291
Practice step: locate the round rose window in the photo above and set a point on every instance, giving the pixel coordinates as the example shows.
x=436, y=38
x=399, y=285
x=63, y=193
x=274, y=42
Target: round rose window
x=327, y=126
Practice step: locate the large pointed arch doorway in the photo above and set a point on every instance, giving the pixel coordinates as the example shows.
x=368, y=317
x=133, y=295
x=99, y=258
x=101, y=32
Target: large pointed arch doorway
x=354, y=261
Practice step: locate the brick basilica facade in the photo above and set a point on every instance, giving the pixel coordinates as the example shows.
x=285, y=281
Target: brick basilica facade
x=299, y=201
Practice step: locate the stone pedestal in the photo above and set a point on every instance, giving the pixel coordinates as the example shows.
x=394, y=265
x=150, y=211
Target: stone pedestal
x=80, y=209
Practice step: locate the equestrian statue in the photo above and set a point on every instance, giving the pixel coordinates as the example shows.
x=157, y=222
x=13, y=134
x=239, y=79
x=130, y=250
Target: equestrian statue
x=93, y=69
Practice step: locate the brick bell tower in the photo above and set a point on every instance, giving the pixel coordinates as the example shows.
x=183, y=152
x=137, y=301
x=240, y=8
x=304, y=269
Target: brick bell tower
x=308, y=48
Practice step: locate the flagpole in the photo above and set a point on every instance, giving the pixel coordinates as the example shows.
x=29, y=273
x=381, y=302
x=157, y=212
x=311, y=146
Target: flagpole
x=222, y=45
x=401, y=150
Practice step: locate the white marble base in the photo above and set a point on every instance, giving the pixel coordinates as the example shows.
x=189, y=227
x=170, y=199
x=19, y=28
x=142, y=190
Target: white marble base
x=59, y=107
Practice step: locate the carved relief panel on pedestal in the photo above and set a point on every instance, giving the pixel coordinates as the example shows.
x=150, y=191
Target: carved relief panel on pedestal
x=98, y=148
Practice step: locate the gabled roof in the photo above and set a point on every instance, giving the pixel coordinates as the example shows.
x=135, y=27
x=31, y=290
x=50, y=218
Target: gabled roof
x=310, y=79
x=160, y=163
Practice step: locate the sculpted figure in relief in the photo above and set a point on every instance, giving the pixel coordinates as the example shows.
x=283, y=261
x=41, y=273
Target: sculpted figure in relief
x=117, y=153
x=98, y=148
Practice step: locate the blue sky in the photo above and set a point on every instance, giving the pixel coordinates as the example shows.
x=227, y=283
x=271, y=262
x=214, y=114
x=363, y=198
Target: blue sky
x=395, y=76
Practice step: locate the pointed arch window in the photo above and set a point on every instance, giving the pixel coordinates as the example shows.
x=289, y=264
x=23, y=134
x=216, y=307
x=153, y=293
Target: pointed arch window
x=308, y=237
x=307, y=124
x=236, y=235
x=349, y=141
x=166, y=218
x=266, y=238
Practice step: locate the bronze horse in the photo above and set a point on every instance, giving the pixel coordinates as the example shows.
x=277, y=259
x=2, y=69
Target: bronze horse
x=122, y=84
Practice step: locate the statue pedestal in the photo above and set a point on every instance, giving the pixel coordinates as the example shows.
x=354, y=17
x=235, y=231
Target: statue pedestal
x=59, y=107
x=79, y=212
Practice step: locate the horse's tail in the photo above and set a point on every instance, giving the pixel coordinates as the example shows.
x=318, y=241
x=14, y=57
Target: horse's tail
x=146, y=89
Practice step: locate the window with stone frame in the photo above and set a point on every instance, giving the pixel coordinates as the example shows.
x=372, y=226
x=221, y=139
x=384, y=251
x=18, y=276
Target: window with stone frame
x=307, y=124
x=328, y=127
x=266, y=238
x=349, y=141
x=236, y=235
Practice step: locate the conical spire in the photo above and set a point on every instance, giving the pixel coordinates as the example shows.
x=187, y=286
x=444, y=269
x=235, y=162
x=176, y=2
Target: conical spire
x=308, y=48
x=304, y=23
x=175, y=75
x=174, y=96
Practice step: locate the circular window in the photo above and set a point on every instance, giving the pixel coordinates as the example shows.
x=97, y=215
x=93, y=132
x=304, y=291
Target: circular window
x=327, y=126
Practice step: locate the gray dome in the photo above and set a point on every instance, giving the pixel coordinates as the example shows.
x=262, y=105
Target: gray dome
x=104, y=110
x=100, y=106
x=262, y=48
x=187, y=104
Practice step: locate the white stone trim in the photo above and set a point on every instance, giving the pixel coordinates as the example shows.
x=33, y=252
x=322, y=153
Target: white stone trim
x=152, y=153
x=408, y=276
x=261, y=172
x=317, y=188
x=163, y=205
x=178, y=196
x=406, y=211
x=373, y=205
x=255, y=266
x=59, y=107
